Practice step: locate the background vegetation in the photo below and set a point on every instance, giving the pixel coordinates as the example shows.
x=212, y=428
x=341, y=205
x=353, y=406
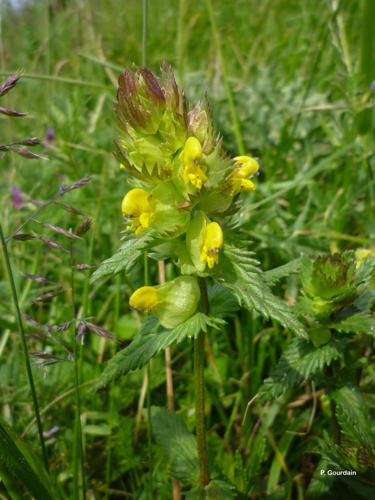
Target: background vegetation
x=299, y=72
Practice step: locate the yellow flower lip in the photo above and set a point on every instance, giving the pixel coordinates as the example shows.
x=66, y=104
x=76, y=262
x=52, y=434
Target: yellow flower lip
x=144, y=299
x=137, y=209
x=212, y=244
x=192, y=152
x=245, y=166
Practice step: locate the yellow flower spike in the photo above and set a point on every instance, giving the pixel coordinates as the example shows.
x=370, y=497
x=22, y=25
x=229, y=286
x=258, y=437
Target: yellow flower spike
x=144, y=299
x=136, y=207
x=212, y=244
x=191, y=156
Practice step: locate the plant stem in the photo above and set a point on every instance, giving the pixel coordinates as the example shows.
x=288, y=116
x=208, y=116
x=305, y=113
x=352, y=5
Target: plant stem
x=199, y=392
x=78, y=451
x=334, y=422
x=144, y=31
x=335, y=425
x=148, y=394
x=25, y=348
x=232, y=105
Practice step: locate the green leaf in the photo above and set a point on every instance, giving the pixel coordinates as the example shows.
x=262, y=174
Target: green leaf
x=222, y=301
x=243, y=276
x=151, y=340
x=353, y=415
x=178, y=443
x=299, y=362
x=358, y=323
x=19, y=469
x=128, y=253
x=215, y=490
x=274, y=275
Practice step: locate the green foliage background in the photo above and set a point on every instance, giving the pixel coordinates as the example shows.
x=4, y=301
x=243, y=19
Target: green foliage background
x=300, y=72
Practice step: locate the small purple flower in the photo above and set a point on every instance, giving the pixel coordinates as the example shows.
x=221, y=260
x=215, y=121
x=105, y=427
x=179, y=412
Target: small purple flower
x=16, y=196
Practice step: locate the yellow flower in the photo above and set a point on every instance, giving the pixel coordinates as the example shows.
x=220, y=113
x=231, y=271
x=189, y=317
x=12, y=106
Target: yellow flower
x=144, y=299
x=192, y=170
x=212, y=244
x=136, y=207
x=245, y=166
x=238, y=181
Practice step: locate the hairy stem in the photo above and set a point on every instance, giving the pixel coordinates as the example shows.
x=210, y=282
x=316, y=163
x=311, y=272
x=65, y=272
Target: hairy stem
x=25, y=348
x=199, y=393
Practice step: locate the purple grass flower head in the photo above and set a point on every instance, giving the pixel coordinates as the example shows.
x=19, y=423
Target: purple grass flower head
x=16, y=197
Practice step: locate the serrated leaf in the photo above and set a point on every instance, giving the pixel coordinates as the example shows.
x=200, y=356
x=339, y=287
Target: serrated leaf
x=20, y=469
x=179, y=444
x=222, y=301
x=248, y=283
x=353, y=415
x=299, y=362
x=274, y=275
x=151, y=340
x=129, y=252
x=357, y=323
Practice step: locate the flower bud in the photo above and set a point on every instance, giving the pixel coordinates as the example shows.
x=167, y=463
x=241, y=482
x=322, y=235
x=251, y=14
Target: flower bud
x=153, y=119
x=200, y=126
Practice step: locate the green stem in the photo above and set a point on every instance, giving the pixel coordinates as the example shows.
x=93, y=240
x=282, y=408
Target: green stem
x=199, y=392
x=232, y=106
x=111, y=406
x=336, y=432
x=144, y=31
x=147, y=281
x=78, y=451
x=25, y=348
x=335, y=425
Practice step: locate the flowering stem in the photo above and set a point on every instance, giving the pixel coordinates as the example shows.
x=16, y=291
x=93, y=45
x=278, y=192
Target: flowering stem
x=25, y=348
x=148, y=395
x=199, y=392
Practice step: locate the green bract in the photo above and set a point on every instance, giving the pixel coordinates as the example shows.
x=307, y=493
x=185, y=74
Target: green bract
x=328, y=282
x=152, y=116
